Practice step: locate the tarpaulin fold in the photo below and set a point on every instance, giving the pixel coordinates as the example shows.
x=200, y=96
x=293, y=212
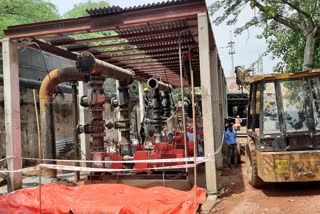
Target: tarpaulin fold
x=102, y=198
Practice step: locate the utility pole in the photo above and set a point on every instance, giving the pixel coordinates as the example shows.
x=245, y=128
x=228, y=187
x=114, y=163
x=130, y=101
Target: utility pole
x=261, y=64
x=231, y=52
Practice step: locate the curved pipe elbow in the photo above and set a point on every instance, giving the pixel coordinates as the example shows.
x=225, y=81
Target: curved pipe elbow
x=49, y=84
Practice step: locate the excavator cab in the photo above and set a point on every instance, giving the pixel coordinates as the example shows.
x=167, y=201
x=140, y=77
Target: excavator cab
x=283, y=128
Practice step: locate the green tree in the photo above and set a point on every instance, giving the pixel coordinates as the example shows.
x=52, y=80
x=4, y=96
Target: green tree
x=15, y=12
x=79, y=10
x=297, y=18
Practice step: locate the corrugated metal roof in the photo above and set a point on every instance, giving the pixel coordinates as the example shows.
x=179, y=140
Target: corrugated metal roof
x=61, y=40
x=145, y=40
x=116, y=9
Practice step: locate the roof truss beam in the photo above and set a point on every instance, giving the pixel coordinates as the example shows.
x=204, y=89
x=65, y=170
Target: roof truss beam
x=103, y=23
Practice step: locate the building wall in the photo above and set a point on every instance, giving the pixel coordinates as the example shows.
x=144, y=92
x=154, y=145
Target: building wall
x=31, y=66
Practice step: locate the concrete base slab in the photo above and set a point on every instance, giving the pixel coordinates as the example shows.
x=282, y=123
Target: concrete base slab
x=147, y=183
x=208, y=205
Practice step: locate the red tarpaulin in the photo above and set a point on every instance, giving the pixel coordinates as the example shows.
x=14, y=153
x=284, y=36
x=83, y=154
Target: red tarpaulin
x=102, y=198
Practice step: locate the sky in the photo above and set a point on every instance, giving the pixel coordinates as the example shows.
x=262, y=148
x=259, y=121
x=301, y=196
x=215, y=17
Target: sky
x=247, y=47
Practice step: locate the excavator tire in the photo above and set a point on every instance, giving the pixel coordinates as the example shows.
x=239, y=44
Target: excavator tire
x=251, y=165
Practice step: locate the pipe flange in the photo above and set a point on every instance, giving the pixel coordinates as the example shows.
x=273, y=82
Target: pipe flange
x=96, y=82
x=98, y=134
x=97, y=149
x=86, y=65
x=96, y=108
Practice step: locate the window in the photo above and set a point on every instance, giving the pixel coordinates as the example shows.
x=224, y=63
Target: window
x=294, y=106
x=270, y=109
x=315, y=91
x=257, y=105
x=250, y=109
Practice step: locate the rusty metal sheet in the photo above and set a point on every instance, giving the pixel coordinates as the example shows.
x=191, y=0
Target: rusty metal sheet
x=289, y=166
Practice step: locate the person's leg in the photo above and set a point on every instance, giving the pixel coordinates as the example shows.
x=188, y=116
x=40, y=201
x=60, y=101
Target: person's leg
x=235, y=154
x=142, y=141
x=170, y=138
x=229, y=153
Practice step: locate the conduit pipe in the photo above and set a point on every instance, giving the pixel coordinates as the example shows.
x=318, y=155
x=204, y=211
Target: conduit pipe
x=47, y=90
x=35, y=84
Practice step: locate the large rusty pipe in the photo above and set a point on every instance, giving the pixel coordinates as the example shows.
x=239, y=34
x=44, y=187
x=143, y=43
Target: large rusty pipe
x=47, y=90
x=89, y=65
x=153, y=84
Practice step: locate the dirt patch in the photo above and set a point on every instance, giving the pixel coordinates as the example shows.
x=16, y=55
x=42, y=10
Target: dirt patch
x=237, y=196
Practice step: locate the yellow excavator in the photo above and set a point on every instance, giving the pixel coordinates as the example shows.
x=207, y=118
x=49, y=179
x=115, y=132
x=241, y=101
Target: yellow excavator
x=283, y=126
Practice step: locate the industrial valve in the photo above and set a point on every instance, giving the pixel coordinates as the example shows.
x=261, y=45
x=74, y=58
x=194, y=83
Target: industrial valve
x=114, y=102
x=90, y=129
x=117, y=125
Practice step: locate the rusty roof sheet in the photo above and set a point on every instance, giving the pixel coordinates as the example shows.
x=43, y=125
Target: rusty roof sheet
x=116, y=9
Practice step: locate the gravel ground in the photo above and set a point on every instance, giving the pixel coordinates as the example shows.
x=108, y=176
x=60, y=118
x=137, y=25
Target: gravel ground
x=237, y=196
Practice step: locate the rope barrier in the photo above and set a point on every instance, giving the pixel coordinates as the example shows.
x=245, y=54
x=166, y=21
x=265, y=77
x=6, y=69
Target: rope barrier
x=169, y=160
x=236, y=118
x=92, y=169
x=9, y=157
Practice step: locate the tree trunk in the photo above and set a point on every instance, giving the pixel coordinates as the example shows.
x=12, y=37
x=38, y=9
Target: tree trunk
x=309, y=49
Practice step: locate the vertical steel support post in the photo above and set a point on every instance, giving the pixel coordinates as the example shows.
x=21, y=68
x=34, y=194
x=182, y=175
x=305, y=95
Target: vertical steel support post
x=84, y=119
x=75, y=113
x=206, y=73
x=214, y=60
x=182, y=100
x=12, y=112
x=141, y=103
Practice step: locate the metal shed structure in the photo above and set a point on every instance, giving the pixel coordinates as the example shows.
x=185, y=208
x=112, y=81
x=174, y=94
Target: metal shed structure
x=145, y=39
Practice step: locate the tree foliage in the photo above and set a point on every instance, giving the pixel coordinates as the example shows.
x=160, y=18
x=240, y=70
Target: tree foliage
x=14, y=12
x=79, y=10
x=291, y=27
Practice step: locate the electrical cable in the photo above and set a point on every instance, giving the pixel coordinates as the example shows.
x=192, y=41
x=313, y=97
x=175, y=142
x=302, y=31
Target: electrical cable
x=45, y=65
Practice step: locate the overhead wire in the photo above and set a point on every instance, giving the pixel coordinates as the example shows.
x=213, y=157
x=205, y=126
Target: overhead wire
x=45, y=66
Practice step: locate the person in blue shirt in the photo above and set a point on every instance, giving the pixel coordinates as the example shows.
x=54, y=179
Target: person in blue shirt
x=231, y=140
